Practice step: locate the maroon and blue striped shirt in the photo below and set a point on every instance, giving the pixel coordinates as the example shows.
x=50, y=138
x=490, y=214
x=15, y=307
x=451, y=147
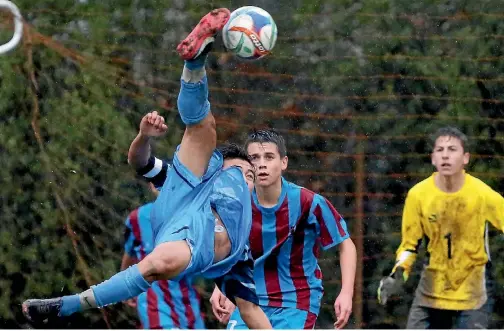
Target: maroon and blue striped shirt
x=285, y=241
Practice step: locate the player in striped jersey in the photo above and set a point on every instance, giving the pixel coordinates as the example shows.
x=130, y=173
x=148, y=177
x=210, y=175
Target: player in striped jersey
x=167, y=304
x=202, y=216
x=290, y=224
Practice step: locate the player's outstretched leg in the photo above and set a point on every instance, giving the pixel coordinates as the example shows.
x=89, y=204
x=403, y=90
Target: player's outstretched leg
x=166, y=261
x=200, y=137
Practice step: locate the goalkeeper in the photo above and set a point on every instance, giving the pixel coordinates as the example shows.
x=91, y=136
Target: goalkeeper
x=450, y=210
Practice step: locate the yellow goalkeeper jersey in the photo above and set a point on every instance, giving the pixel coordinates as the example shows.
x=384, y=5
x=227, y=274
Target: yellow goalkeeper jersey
x=454, y=226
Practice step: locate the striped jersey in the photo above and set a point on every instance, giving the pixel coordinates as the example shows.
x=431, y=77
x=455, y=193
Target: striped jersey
x=167, y=304
x=285, y=241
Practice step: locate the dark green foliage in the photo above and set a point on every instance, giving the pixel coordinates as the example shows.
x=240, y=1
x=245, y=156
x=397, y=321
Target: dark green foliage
x=345, y=76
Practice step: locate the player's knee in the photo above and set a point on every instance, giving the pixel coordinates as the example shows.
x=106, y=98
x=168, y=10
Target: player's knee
x=168, y=260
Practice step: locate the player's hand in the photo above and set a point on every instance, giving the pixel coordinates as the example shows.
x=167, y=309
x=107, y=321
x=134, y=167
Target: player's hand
x=153, y=125
x=131, y=302
x=342, y=309
x=222, y=307
x=390, y=286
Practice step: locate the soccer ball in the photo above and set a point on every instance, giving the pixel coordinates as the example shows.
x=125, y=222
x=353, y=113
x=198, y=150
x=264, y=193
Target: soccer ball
x=250, y=33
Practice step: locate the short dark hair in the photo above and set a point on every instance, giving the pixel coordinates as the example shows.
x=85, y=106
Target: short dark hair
x=449, y=131
x=267, y=136
x=233, y=151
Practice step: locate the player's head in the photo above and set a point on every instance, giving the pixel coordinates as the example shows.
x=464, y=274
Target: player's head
x=235, y=155
x=267, y=151
x=449, y=151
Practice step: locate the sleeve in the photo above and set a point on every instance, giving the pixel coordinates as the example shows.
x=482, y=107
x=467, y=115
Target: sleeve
x=495, y=209
x=155, y=171
x=130, y=241
x=333, y=228
x=412, y=235
x=239, y=281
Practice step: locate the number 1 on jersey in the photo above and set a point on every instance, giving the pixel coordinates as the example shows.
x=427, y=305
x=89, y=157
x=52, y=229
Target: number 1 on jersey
x=448, y=239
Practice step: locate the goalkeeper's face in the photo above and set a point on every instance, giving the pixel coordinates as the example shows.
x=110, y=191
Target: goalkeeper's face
x=449, y=156
x=268, y=163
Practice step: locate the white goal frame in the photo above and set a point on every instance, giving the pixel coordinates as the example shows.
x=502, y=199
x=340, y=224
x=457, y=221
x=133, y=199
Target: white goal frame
x=18, y=26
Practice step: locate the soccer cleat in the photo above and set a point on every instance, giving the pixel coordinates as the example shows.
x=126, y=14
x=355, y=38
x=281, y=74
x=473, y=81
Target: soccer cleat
x=203, y=34
x=40, y=310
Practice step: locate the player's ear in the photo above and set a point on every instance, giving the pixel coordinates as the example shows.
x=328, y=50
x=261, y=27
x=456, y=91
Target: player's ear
x=432, y=159
x=285, y=162
x=467, y=156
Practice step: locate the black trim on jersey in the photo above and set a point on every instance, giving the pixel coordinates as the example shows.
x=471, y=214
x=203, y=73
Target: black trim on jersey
x=148, y=167
x=160, y=178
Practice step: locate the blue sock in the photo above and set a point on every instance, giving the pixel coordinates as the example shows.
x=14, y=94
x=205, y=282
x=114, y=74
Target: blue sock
x=193, y=104
x=70, y=304
x=124, y=285
x=197, y=63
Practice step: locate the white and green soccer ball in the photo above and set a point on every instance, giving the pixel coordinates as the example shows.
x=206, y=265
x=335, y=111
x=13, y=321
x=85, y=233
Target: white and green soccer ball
x=250, y=33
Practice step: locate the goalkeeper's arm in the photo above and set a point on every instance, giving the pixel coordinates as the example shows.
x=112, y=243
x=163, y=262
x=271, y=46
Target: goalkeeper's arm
x=412, y=234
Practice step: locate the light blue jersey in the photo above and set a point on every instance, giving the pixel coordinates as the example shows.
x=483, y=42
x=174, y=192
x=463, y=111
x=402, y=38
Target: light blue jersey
x=183, y=211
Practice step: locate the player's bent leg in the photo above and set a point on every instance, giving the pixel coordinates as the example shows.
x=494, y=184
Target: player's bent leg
x=124, y=285
x=200, y=137
x=166, y=261
x=252, y=314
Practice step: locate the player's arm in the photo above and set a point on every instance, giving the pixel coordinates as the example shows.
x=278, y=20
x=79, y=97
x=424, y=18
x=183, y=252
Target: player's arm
x=348, y=265
x=139, y=155
x=412, y=234
x=495, y=209
x=333, y=231
x=222, y=307
x=151, y=125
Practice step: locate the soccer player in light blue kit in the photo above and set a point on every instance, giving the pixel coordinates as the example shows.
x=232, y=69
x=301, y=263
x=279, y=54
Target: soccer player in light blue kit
x=202, y=193
x=166, y=304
